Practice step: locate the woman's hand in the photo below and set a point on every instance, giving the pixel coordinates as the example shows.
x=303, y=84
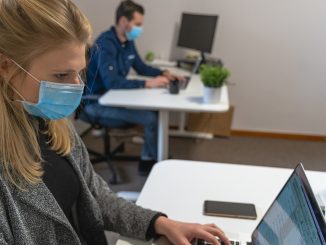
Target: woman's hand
x=180, y=233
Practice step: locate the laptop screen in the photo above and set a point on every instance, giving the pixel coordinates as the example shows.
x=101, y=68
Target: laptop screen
x=294, y=217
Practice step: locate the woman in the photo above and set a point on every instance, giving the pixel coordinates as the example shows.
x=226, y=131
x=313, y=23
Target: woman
x=49, y=193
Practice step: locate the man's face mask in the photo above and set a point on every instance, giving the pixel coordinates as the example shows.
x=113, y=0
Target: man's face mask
x=56, y=100
x=134, y=33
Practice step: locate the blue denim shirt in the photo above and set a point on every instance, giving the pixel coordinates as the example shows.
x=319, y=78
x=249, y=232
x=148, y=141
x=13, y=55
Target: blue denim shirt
x=110, y=62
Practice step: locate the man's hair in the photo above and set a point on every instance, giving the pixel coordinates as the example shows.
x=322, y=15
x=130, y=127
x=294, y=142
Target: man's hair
x=127, y=9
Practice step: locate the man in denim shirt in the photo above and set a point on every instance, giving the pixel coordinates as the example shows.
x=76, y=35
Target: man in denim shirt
x=111, y=58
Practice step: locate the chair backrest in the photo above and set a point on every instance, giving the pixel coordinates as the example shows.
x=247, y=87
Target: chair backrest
x=83, y=115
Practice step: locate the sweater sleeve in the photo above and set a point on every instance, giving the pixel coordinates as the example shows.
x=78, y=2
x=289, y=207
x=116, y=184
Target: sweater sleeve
x=151, y=232
x=119, y=215
x=5, y=230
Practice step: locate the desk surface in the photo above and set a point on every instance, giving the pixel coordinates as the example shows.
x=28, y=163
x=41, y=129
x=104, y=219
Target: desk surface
x=179, y=188
x=189, y=99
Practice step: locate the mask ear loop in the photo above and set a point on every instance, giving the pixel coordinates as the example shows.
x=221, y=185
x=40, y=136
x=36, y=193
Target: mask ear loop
x=81, y=80
x=25, y=70
x=13, y=88
x=18, y=93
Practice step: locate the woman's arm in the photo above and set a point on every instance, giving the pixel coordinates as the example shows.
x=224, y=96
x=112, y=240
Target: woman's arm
x=128, y=219
x=2, y=240
x=5, y=231
x=184, y=233
x=119, y=215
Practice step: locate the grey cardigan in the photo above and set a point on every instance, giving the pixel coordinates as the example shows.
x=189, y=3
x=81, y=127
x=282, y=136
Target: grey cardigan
x=34, y=217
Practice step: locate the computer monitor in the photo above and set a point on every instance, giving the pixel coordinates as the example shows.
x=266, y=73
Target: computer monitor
x=197, y=32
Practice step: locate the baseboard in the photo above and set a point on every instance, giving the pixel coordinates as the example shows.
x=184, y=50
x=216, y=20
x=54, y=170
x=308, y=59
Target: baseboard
x=278, y=135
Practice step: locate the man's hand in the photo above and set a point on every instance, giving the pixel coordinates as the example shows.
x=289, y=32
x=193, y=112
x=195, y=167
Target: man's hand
x=157, y=82
x=183, y=233
x=173, y=77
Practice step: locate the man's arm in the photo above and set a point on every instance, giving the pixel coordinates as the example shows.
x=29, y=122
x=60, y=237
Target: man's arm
x=145, y=70
x=106, y=65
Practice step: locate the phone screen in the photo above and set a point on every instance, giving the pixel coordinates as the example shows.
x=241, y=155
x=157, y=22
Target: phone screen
x=230, y=209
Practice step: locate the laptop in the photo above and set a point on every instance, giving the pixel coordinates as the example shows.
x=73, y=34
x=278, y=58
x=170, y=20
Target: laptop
x=184, y=84
x=293, y=218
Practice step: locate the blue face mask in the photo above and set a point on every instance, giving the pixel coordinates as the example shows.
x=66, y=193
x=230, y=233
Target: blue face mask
x=134, y=33
x=56, y=100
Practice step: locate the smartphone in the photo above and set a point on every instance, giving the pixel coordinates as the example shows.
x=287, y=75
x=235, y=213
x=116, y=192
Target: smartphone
x=230, y=209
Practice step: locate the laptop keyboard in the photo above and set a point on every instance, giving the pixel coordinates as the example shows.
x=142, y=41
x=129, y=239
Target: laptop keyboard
x=233, y=242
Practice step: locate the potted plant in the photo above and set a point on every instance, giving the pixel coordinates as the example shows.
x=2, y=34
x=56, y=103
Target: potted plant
x=213, y=78
x=150, y=56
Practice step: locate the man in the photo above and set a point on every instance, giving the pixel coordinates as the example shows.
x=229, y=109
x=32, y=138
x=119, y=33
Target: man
x=111, y=58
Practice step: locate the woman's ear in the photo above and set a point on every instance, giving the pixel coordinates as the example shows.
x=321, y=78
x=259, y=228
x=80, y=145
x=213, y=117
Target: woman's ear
x=4, y=65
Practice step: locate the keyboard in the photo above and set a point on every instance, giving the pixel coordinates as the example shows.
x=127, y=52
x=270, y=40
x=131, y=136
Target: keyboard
x=233, y=242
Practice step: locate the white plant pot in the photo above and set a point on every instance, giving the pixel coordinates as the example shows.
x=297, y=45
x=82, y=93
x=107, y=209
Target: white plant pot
x=212, y=95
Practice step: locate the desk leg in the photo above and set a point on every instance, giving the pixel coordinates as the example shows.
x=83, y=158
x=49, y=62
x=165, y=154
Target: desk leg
x=163, y=135
x=181, y=132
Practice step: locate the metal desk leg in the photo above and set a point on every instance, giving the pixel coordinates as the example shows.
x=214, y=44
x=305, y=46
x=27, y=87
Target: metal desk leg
x=163, y=135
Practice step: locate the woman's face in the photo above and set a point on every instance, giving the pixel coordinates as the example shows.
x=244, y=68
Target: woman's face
x=61, y=65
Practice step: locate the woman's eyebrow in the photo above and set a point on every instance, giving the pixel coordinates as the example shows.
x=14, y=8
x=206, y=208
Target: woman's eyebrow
x=68, y=70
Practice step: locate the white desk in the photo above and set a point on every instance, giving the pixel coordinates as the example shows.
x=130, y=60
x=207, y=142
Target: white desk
x=189, y=100
x=179, y=188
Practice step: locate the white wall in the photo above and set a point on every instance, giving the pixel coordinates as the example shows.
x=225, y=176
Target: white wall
x=100, y=13
x=276, y=50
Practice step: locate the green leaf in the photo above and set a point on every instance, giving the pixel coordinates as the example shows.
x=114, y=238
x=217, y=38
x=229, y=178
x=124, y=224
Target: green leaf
x=214, y=76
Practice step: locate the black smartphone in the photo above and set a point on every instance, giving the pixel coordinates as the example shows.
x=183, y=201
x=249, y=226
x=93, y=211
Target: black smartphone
x=230, y=209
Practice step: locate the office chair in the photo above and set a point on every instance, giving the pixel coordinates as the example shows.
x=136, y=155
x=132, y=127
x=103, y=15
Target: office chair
x=109, y=154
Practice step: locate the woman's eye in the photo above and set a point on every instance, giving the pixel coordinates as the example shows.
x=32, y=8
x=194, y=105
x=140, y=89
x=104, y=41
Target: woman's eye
x=61, y=76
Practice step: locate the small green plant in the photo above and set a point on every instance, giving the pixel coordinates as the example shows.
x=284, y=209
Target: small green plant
x=214, y=76
x=150, y=56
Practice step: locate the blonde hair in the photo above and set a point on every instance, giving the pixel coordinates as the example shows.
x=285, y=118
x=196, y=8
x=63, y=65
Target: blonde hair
x=28, y=29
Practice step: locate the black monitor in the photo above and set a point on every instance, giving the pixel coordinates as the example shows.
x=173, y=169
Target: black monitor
x=197, y=32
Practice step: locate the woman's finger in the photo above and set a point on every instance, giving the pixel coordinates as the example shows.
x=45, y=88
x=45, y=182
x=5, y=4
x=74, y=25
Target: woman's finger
x=206, y=236
x=184, y=241
x=215, y=226
x=217, y=232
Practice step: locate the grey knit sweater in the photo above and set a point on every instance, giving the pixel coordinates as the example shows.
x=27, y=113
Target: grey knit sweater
x=34, y=217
